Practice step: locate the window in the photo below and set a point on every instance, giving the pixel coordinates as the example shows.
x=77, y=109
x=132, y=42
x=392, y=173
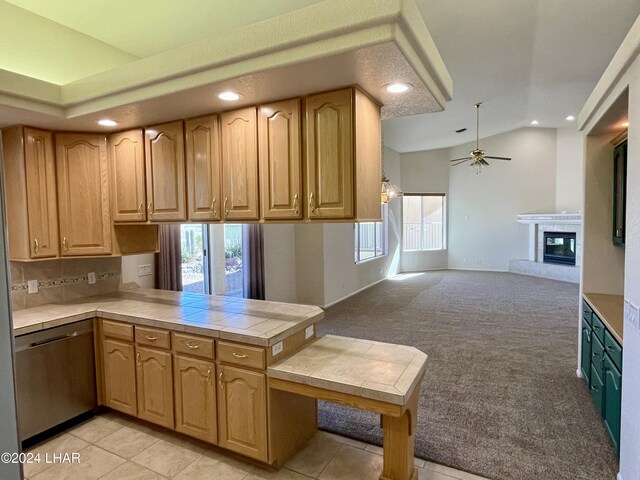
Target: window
x=371, y=238
x=233, y=259
x=194, y=243
x=423, y=221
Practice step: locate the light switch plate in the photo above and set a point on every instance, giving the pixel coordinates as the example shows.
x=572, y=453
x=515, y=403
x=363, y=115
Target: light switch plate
x=144, y=270
x=308, y=332
x=91, y=276
x=277, y=348
x=631, y=314
x=32, y=286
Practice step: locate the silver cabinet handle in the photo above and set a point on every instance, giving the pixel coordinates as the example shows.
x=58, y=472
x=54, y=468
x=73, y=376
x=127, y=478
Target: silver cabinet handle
x=213, y=208
x=239, y=355
x=192, y=346
x=220, y=380
x=64, y=244
x=226, y=208
x=209, y=376
x=35, y=245
x=151, y=339
x=296, y=208
x=138, y=359
x=149, y=210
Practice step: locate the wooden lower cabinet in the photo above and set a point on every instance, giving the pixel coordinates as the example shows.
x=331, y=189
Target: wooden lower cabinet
x=612, y=402
x=119, y=368
x=195, y=398
x=155, y=386
x=242, y=407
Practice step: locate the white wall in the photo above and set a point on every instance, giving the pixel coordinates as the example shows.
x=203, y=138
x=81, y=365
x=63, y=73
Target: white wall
x=425, y=172
x=280, y=262
x=130, y=264
x=483, y=231
x=569, y=170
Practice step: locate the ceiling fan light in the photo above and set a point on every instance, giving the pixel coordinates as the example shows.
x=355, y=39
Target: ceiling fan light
x=389, y=190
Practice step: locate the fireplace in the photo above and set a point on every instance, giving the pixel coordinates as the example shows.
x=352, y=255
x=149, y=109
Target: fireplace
x=560, y=247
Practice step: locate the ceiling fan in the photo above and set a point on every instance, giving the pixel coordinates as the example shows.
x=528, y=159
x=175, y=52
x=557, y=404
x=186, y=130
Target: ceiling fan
x=477, y=156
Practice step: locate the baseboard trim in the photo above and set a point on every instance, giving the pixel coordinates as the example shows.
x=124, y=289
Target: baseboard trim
x=619, y=476
x=579, y=373
x=479, y=270
x=354, y=293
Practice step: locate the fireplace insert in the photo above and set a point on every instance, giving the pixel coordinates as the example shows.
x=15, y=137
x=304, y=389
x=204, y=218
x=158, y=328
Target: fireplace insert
x=560, y=247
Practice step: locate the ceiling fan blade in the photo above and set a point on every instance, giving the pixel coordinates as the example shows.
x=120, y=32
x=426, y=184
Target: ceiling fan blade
x=484, y=162
x=462, y=158
x=497, y=158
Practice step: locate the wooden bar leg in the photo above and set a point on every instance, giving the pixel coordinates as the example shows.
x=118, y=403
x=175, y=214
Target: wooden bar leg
x=398, y=446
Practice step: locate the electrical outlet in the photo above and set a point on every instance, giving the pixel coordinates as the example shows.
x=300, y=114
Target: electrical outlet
x=277, y=348
x=32, y=286
x=91, y=277
x=144, y=270
x=308, y=332
x=631, y=314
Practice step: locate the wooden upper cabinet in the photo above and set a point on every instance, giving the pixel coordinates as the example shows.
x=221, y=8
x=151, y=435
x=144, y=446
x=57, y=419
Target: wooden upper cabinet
x=329, y=135
x=165, y=168
x=203, y=168
x=126, y=154
x=343, y=156
x=240, y=164
x=280, y=160
x=83, y=194
x=30, y=185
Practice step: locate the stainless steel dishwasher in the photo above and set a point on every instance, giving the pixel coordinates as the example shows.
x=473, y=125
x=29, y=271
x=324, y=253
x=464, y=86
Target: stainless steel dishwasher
x=55, y=376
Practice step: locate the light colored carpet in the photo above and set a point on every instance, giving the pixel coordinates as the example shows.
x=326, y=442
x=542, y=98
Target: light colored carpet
x=500, y=398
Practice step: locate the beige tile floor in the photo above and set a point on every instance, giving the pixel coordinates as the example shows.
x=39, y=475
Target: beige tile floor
x=113, y=447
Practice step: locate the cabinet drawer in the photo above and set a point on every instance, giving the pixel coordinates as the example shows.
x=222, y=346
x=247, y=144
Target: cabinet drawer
x=193, y=345
x=153, y=337
x=597, y=355
x=598, y=327
x=613, y=349
x=244, y=355
x=586, y=312
x=119, y=330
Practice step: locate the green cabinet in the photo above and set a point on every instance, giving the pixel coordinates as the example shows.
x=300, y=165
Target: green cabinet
x=585, y=361
x=601, y=366
x=612, y=397
x=619, y=192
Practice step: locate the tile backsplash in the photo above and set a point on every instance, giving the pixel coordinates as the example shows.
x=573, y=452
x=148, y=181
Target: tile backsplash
x=62, y=280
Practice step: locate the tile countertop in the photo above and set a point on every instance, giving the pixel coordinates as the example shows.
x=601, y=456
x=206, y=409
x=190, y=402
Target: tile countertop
x=254, y=322
x=380, y=371
x=610, y=309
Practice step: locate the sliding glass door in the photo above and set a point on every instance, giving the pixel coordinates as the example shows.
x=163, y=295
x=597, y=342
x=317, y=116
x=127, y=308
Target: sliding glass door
x=195, y=261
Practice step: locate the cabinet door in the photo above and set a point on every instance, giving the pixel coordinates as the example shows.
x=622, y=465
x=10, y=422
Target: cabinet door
x=127, y=169
x=597, y=390
x=83, y=194
x=242, y=407
x=203, y=168
x=585, y=360
x=42, y=208
x=240, y=164
x=155, y=386
x=165, y=168
x=613, y=397
x=280, y=160
x=619, y=192
x=329, y=155
x=119, y=376
x=195, y=398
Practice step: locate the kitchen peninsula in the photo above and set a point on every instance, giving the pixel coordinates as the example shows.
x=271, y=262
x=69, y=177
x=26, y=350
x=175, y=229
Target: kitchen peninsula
x=240, y=374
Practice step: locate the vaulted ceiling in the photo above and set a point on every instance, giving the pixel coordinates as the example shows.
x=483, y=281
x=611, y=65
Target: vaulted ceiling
x=525, y=59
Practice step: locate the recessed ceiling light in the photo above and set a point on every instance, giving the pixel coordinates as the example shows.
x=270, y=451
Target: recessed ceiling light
x=229, y=96
x=534, y=122
x=571, y=118
x=624, y=124
x=106, y=122
x=398, y=87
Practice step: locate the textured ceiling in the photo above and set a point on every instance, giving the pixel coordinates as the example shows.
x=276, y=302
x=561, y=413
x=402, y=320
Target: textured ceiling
x=525, y=59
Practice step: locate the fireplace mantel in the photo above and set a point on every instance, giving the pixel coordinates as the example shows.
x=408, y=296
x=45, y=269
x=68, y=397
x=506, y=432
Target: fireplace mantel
x=551, y=218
